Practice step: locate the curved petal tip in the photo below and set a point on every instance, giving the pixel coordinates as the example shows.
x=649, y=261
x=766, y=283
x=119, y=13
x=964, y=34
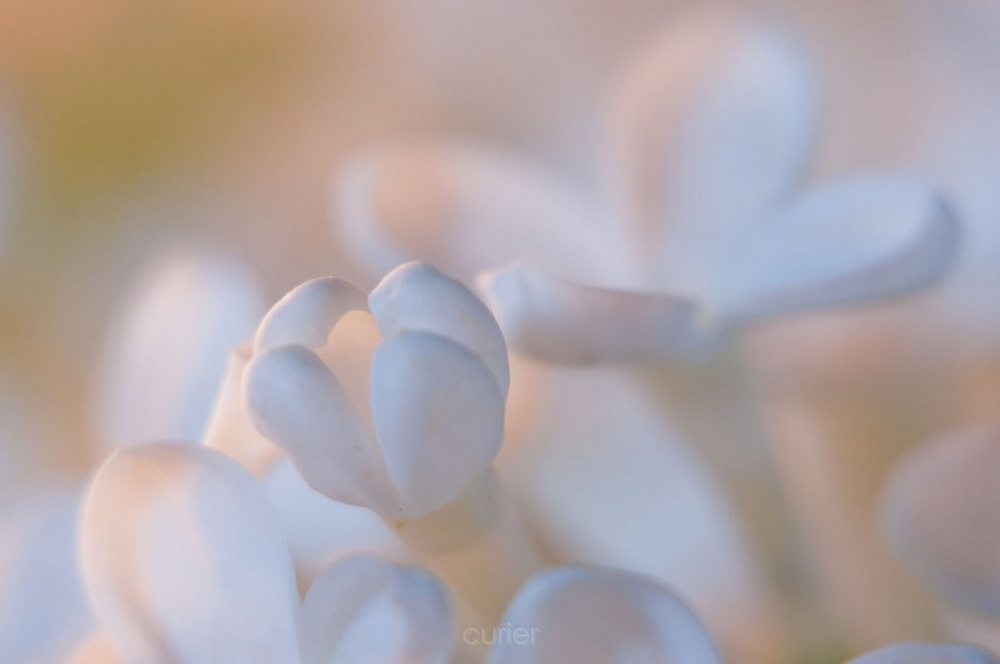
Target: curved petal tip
x=570, y=615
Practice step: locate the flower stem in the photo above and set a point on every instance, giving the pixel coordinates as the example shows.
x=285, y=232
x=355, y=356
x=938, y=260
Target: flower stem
x=833, y=446
x=477, y=545
x=713, y=406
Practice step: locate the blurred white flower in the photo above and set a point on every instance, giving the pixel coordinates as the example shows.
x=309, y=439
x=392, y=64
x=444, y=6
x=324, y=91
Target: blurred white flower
x=709, y=132
x=698, y=232
x=185, y=562
x=598, y=616
x=164, y=353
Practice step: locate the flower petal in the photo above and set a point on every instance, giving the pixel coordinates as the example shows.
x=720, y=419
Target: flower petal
x=230, y=430
x=604, y=481
x=438, y=414
x=185, y=562
x=566, y=322
x=418, y=298
x=295, y=402
x=710, y=126
x=365, y=610
x=581, y=615
x=43, y=610
x=464, y=208
x=942, y=514
x=849, y=243
x=166, y=350
x=926, y=653
x=308, y=313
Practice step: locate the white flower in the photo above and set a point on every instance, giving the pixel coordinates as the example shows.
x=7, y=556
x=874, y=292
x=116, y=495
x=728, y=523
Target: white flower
x=165, y=350
x=709, y=133
x=185, y=563
x=400, y=419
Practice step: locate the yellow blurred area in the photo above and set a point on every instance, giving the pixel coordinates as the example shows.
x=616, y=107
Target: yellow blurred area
x=108, y=98
x=111, y=89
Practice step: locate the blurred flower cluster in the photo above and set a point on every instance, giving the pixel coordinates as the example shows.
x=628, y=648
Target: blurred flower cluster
x=508, y=333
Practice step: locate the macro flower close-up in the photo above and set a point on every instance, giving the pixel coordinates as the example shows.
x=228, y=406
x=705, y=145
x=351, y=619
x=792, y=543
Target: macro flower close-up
x=554, y=332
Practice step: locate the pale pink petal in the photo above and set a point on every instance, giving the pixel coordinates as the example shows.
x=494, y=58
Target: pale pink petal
x=850, y=243
x=942, y=514
x=600, y=616
x=364, y=610
x=464, y=208
x=566, y=322
x=710, y=126
x=418, y=298
x=185, y=562
x=308, y=313
x=438, y=414
x=926, y=653
x=296, y=402
x=165, y=353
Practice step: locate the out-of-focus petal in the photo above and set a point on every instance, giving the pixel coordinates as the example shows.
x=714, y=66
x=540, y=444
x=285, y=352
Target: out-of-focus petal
x=98, y=649
x=320, y=530
x=184, y=561
x=600, y=616
x=365, y=610
x=418, y=298
x=165, y=353
x=566, y=322
x=942, y=515
x=710, y=126
x=848, y=243
x=230, y=430
x=308, y=313
x=602, y=480
x=464, y=208
x=438, y=415
x=926, y=653
x=43, y=610
x=296, y=402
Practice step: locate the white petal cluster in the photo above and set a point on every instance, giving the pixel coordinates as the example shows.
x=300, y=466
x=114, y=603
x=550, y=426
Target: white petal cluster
x=185, y=561
x=398, y=419
x=368, y=477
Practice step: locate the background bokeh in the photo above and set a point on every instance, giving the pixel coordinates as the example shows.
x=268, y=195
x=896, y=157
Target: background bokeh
x=129, y=126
